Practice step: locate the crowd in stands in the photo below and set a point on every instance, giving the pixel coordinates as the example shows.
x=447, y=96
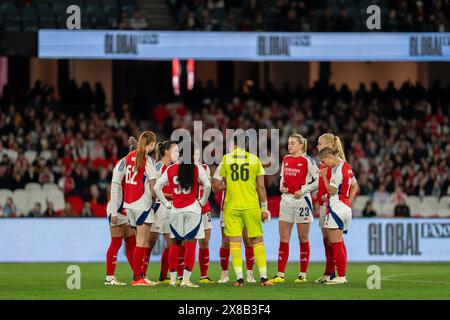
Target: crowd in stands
x=308, y=15
x=396, y=139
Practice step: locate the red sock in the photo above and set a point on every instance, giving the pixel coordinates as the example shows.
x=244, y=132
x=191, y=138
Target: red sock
x=224, y=258
x=164, y=264
x=181, y=260
x=189, y=255
x=174, y=255
x=329, y=269
x=138, y=262
x=249, y=258
x=283, y=256
x=148, y=252
x=111, y=255
x=304, y=256
x=340, y=258
x=203, y=261
x=130, y=244
x=345, y=249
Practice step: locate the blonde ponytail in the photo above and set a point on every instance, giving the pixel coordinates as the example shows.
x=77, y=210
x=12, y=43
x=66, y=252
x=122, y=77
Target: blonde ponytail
x=335, y=143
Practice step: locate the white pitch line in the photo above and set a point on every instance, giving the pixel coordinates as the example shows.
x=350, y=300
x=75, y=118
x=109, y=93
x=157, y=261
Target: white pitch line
x=390, y=278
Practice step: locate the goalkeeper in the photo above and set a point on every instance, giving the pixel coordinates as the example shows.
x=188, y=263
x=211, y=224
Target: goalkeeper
x=245, y=204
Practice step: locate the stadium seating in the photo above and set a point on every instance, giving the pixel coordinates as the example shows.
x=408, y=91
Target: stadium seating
x=50, y=187
x=4, y=194
x=33, y=186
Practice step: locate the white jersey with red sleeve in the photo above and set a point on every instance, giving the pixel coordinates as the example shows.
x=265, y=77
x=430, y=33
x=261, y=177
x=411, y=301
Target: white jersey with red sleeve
x=299, y=173
x=182, y=198
x=115, y=203
x=342, y=179
x=137, y=193
x=217, y=176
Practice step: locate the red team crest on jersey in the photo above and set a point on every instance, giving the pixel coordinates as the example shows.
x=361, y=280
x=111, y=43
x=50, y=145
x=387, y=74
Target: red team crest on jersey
x=182, y=198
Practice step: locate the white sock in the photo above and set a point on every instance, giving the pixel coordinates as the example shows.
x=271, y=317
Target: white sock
x=173, y=276
x=250, y=272
x=302, y=274
x=109, y=278
x=280, y=274
x=238, y=271
x=186, y=275
x=263, y=273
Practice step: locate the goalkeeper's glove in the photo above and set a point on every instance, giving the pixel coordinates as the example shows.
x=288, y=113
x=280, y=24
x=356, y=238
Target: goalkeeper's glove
x=265, y=209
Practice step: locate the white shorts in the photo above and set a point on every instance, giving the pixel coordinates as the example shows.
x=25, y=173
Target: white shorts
x=139, y=217
x=339, y=217
x=121, y=220
x=222, y=220
x=186, y=223
x=322, y=215
x=162, y=214
x=207, y=221
x=296, y=210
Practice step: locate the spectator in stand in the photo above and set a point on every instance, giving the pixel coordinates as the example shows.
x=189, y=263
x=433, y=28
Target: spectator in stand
x=368, y=211
x=9, y=209
x=50, y=212
x=69, y=211
x=138, y=21
x=122, y=21
x=398, y=196
x=381, y=196
x=401, y=210
x=36, y=211
x=86, y=211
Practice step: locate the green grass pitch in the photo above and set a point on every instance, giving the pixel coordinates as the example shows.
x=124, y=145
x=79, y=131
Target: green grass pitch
x=399, y=281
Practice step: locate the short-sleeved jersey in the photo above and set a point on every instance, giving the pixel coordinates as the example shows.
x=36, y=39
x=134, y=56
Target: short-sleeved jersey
x=137, y=195
x=161, y=168
x=322, y=189
x=298, y=171
x=342, y=179
x=182, y=198
x=207, y=207
x=240, y=169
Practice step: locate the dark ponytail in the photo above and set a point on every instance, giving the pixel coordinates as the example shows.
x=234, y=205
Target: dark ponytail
x=186, y=171
x=162, y=147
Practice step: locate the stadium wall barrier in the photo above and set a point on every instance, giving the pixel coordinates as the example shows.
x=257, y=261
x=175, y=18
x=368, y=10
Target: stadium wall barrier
x=246, y=46
x=86, y=240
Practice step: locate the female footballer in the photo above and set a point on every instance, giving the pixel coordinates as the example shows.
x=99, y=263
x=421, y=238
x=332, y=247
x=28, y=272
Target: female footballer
x=327, y=140
x=184, y=178
x=140, y=176
x=118, y=224
x=342, y=188
x=168, y=154
x=299, y=176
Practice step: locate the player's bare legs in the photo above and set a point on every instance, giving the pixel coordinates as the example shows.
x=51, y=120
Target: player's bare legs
x=249, y=256
x=285, y=230
x=118, y=233
x=224, y=257
x=143, y=233
x=203, y=257
x=303, y=237
x=335, y=236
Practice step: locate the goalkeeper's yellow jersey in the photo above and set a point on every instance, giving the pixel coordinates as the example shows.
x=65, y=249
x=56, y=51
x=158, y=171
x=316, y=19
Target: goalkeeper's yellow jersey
x=240, y=169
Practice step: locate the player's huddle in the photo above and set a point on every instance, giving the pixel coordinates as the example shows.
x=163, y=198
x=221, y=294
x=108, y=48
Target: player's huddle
x=170, y=197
